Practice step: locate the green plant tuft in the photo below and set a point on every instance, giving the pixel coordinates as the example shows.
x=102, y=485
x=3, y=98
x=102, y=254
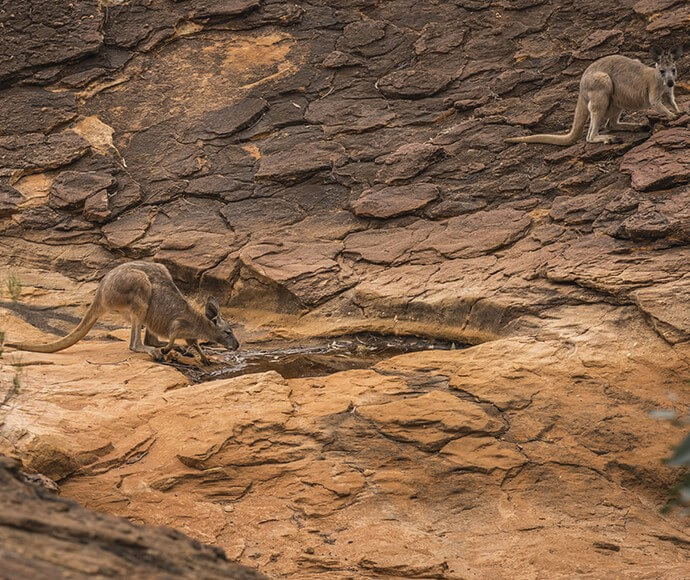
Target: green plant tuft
x=14, y=287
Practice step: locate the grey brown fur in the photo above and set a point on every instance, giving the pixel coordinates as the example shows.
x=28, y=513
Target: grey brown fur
x=613, y=85
x=145, y=294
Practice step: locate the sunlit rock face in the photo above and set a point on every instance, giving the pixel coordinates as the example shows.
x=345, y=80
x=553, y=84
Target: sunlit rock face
x=334, y=167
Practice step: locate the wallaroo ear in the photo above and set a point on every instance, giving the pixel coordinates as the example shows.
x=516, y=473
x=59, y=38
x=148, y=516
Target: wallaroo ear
x=655, y=52
x=212, y=308
x=677, y=52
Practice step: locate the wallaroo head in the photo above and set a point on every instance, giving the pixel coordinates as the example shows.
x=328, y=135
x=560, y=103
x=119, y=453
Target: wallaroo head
x=666, y=63
x=223, y=331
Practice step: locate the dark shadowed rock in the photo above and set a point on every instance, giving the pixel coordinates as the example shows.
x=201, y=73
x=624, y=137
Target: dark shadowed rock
x=412, y=84
x=358, y=34
x=408, y=161
x=661, y=161
x=299, y=163
x=229, y=120
x=72, y=188
x=42, y=32
x=309, y=272
x=219, y=8
x=9, y=199
x=338, y=115
x=34, y=110
x=581, y=209
x=648, y=223
x=130, y=24
x=339, y=59
x=35, y=152
x=440, y=37
x=386, y=202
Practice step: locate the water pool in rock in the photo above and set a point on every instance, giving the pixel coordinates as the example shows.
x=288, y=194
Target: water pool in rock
x=316, y=357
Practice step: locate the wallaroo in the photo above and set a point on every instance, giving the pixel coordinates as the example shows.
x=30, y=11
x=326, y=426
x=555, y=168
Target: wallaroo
x=145, y=294
x=612, y=85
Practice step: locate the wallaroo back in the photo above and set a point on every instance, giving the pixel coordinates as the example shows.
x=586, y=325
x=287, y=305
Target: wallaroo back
x=145, y=294
x=613, y=85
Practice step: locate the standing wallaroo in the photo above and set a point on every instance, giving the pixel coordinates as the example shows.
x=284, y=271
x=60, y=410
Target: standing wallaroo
x=145, y=294
x=612, y=85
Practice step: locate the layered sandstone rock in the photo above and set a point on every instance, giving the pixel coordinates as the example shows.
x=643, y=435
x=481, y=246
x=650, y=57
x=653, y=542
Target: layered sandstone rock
x=343, y=164
x=45, y=535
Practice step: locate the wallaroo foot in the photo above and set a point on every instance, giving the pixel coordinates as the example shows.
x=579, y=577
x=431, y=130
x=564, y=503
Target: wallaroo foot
x=608, y=139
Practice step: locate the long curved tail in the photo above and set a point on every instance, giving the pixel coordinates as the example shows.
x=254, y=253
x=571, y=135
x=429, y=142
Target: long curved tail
x=76, y=335
x=579, y=121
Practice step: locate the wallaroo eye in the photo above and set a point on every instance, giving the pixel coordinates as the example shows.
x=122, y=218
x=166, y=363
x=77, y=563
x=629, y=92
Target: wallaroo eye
x=662, y=71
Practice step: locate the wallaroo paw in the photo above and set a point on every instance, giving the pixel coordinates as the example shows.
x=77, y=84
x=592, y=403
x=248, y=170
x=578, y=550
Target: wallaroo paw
x=157, y=355
x=206, y=361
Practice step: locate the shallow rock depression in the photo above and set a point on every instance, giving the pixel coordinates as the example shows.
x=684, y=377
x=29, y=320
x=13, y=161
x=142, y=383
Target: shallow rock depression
x=328, y=169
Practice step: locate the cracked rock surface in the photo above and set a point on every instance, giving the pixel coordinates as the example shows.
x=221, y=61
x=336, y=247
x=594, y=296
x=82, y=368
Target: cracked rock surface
x=332, y=167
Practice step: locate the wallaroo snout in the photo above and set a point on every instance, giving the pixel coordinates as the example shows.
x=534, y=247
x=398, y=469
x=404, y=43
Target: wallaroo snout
x=145, y=294
x=615, y=84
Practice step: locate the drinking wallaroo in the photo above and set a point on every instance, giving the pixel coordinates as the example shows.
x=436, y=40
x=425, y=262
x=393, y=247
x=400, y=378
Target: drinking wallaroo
x=145, y=294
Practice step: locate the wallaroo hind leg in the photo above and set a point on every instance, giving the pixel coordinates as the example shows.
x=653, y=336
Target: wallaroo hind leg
x=598, y=106
x=135, y=300
x=151, y=339
x=135, y=344
x=172, y=337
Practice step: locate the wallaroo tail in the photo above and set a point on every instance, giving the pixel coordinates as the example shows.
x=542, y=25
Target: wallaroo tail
x=570, y=138
x=76, y=335
x=145, y=294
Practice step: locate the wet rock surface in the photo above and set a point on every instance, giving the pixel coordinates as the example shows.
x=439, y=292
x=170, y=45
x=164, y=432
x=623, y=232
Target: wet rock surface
x=344, y=165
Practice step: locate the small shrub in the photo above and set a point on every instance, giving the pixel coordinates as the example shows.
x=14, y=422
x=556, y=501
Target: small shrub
x=14, y=287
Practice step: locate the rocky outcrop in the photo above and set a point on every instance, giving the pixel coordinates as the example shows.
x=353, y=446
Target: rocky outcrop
x=327, y=167
x=661, y=162
x=399, y=469
x=271, y=114
x=42, y=534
